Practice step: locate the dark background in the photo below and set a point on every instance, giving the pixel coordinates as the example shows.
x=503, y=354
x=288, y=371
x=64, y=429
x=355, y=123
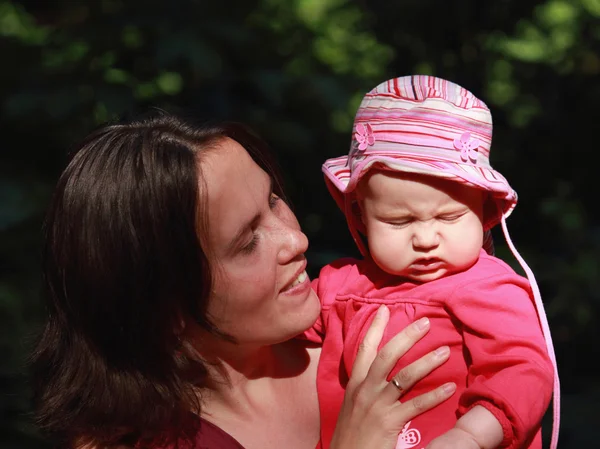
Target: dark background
x=296, y=71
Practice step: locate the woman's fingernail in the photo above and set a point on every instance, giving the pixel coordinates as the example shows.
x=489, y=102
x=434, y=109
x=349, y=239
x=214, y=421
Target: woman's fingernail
x=448, y=388
x=442, y=351
x=422, y=324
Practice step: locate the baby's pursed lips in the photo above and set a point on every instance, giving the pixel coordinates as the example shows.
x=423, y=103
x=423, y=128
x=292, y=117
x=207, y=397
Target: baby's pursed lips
x=427, y=261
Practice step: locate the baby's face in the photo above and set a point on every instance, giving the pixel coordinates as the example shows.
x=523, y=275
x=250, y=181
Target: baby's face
x=420, y=227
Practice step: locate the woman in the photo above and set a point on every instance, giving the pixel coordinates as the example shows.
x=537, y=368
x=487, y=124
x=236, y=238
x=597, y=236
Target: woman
x=175, y=274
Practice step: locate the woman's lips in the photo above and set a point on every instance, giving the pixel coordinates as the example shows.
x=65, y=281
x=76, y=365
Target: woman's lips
x=299, y=280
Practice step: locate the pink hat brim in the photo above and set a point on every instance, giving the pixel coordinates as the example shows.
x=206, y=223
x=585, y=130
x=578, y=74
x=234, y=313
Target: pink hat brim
x=502, y=199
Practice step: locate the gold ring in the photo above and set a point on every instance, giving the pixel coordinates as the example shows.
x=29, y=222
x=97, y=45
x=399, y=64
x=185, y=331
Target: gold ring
x=396, y=384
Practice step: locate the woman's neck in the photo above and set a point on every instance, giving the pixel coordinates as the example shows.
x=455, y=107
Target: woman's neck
x=238, y=364
x=241, y=376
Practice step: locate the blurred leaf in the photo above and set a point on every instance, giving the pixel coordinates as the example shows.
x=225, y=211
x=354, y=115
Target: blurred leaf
x=102, y=61
x=530, y=46
x=557, y=12
x=116, y=76
x=315, y=12
x=526, y=109
x=592, y=6
x=71, y=53
x=132, y=37
x=146, y=91
x=501, y=92
x=170, y=83
x=424, y=68
x=15, y=22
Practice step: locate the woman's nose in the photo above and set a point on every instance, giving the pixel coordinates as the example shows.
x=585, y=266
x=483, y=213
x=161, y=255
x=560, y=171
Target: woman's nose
x=293, y=244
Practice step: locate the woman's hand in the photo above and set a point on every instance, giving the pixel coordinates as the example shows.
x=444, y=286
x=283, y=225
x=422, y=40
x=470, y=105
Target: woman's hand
x=371, y=415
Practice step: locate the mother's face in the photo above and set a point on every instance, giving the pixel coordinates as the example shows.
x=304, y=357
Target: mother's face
x=261, y=294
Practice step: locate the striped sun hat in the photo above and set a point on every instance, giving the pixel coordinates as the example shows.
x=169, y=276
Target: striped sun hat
x=426, y=125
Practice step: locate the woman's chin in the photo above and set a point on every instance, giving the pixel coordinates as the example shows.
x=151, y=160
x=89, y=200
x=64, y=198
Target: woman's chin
x=304, y=318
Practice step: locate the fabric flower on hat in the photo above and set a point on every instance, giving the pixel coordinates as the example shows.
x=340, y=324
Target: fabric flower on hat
x=364, y=136
x=468, y=147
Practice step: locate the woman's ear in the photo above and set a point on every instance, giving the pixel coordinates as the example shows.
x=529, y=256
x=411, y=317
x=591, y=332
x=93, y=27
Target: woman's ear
x=180, y=325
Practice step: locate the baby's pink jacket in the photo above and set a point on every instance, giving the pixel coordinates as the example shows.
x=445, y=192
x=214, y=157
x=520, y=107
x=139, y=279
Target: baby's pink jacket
x=486, y=315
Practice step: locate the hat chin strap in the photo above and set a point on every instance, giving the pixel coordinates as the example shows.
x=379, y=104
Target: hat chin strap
x=488, y=243
x=352, y=219
x=545, y=329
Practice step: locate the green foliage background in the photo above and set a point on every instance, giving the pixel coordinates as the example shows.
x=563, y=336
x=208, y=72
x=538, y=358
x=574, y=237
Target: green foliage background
x=296, y=70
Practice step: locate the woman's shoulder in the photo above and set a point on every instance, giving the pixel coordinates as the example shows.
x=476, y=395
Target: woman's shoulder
x=199, y=434
x=101, y=446
x=210, y=436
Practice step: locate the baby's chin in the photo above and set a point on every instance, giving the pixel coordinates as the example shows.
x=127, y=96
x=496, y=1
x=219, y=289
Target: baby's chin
x=422, y=276
x=427, y=277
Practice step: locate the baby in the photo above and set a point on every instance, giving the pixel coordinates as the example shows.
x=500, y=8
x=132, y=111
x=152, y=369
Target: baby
x=420, y=198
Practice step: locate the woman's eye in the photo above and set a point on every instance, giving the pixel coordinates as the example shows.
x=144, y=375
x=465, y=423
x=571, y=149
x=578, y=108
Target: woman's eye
x=273, y=200
x=251, y=246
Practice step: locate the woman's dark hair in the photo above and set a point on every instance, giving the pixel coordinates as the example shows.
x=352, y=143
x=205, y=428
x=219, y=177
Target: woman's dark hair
x=122, y=262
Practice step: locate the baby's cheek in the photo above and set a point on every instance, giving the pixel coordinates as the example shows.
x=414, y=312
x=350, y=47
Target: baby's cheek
x=389, y=255
x=377, y=246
